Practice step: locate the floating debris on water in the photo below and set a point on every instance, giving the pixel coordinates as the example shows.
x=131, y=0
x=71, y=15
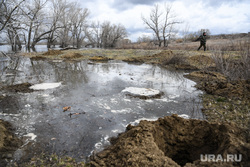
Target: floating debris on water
x=144, y=93
x=44, y=86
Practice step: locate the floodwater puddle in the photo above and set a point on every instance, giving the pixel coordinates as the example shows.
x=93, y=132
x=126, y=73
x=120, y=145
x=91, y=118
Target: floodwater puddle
x=99, y=109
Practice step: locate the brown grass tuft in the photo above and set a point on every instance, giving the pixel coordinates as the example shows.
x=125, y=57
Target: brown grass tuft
x=72, y=56
x=52, y=52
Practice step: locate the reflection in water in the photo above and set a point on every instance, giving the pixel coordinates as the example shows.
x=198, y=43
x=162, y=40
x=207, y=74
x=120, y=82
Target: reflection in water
x=98, y=107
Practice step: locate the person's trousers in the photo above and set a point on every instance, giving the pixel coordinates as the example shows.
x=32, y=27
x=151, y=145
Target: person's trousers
x=202, y=45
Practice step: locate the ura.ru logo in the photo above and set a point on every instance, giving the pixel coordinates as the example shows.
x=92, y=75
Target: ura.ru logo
x=220, y=158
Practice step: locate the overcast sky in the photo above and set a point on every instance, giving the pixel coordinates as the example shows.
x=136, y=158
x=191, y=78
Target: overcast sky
x=219, y=16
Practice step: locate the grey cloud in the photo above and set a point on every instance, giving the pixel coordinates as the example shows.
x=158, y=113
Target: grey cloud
x=217, y=3
x=123, y=5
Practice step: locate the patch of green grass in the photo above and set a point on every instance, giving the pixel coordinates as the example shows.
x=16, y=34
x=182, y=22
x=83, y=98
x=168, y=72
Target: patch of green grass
x=221, y=99
x=221, y=109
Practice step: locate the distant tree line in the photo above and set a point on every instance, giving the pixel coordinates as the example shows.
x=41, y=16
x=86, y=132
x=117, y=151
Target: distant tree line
x=61, y=22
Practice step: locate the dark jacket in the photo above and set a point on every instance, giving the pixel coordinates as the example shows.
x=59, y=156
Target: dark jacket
x=202, y=38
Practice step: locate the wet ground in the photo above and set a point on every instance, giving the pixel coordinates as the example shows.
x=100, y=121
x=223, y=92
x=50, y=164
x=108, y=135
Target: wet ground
x=99, y=109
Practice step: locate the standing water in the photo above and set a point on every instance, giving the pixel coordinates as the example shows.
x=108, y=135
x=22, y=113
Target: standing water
x=76, y=106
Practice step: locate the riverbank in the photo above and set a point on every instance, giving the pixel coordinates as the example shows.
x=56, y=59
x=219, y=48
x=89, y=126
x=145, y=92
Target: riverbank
x=8, y=142
x=225, y=101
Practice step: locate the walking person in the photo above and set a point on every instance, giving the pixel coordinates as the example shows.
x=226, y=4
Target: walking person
x=203, y=40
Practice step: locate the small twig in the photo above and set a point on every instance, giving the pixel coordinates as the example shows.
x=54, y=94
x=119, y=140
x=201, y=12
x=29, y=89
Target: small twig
x=70, y=114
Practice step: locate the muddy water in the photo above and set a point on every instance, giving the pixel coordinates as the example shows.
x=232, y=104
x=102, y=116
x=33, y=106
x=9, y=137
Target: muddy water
x=99, y=109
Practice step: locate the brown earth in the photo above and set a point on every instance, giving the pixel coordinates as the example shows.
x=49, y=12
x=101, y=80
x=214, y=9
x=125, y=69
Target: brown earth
x=206, y=76
x=99, y=58
x=53, y=52
x=72, y=56
x=24, y=88
x=174, y=141
x=234, y=89
x=8, y=142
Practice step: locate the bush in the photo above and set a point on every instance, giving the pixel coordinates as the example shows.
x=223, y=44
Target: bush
x=234, y=66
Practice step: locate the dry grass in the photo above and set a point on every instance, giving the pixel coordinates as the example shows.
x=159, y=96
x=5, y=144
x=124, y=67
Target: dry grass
x=72, y=56
x=235, y=65
x=52, y=52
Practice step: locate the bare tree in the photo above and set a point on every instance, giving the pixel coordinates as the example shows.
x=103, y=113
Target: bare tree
x=30, y=22
x=56, y=8
x=153, y=23
x=111, y=34
x=9, y=24
x=143, y=38
x=185, y=32
x=7, y=9
x=79, y=22
x=93, y=33
x=105, y=35
x=34, y=21
x=162, y=23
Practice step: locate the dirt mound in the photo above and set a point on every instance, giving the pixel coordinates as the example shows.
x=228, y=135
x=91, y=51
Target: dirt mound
x=99, y=58
x=72, y=56
x=24, y=88
x=204, y=76
x=52, y=52
x=237, y=89
x=8, y=142
x=217, y=84
x=173, y=141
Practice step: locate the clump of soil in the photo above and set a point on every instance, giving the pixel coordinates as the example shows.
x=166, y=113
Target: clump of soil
x=99, y=58
x=8, y=142
x=215, y=83
x=24, y=88
x=233, y=89
x=72, y=56
x=174, y=141
x=205, y=76
x=52, y=52
x=36, y=58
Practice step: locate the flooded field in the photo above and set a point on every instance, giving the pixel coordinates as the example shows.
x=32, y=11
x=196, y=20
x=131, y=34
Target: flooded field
x=96, y=106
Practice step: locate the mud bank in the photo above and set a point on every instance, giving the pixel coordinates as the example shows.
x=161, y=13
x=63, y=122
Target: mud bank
x=224, y=101
x=24, y=88
x=174, y=141
x=8, y=142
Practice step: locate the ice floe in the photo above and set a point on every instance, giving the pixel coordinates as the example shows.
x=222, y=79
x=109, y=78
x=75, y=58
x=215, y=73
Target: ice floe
x=142, y=92
x=32, y=136
x=184, y=116
x=44, y=86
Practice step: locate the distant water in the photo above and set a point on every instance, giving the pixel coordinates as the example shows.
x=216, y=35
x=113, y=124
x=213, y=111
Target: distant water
x=39, y=48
